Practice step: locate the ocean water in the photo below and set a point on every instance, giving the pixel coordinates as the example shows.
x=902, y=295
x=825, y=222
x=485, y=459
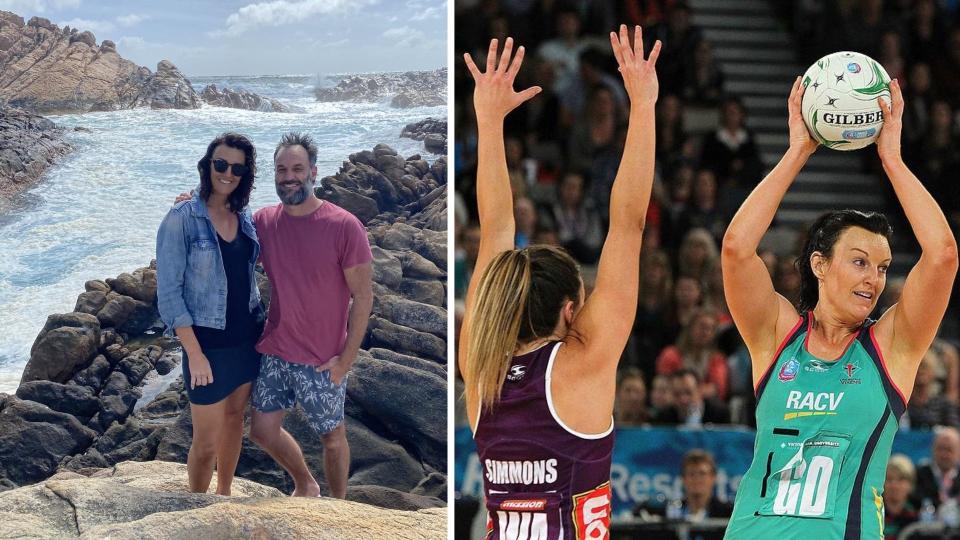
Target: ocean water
x=95, y=214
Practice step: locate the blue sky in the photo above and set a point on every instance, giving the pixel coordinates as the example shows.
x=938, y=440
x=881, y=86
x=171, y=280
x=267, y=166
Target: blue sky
x=270, y=37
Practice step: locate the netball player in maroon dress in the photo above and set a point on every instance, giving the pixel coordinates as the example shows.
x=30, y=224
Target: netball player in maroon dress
x=540, y=361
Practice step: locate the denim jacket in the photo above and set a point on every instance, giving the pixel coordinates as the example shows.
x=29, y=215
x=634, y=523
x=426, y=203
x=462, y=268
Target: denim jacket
x=191, y=281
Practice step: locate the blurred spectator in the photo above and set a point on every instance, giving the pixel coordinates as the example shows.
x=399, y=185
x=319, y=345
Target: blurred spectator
x=525, y=215
x=650, y=331
x=787, y=280
x=937, y=479
x=925, y=34
x=596, y=131
x=899, y=511
x=918, y=97
x=690, y=409
x=696, y=350
x=891, y=55
x=564, y=50
x=661, y=397
x=703, y=212
x=699, y=477
x=687, y=297
x=594, y=72
x=679, y=38
x=946, y=68
x=703, y=80
x=937, y=156
x=466, y=258
x=928, y=407
x=577, y=222
x=730, y=151
x=631, y=402
x=698, y=254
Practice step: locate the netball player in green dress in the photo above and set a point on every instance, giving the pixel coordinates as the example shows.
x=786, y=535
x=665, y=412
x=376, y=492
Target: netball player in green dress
x=831, y=384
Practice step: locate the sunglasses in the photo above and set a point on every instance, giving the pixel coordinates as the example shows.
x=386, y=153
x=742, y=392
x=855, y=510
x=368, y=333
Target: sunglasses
x=238, y=169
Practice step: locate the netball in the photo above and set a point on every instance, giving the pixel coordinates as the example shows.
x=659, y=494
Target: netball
x=840, y=102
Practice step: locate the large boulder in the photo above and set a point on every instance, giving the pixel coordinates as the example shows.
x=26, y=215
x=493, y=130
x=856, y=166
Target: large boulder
x=78, y=401
x=34, y=438
x=418, y=419
x=49, y=70
x=65, y=345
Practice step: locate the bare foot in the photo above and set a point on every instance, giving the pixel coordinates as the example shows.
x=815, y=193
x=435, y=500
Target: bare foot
x=310, y=490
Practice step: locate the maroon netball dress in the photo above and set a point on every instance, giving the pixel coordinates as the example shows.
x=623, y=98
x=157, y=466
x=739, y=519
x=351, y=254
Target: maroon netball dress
x=541, y=479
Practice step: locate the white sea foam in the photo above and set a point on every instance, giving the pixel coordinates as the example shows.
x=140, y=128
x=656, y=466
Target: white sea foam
x=96, y=213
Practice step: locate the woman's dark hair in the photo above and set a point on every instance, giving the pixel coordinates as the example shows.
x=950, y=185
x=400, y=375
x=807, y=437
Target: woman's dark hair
x=822, y=236
x=554, y=280
x=241, y=196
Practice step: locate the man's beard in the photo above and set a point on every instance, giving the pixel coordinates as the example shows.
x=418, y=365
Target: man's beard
x=296, y=197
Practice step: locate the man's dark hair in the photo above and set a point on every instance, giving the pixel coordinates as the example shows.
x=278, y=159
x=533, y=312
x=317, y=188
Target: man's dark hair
x=241, y=195
x=297, y=138
x=696, y=457
x=683, y=372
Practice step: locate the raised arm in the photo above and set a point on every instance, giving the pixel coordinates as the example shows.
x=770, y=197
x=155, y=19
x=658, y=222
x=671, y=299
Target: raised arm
x=605, y=322
x=493, y=99
x=912, y=323
x=763, y=317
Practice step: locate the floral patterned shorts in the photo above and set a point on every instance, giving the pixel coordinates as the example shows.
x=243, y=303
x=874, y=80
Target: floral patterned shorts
x=281, y=384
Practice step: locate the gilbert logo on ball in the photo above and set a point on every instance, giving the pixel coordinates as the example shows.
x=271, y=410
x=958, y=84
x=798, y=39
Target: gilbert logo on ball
x=840, y=101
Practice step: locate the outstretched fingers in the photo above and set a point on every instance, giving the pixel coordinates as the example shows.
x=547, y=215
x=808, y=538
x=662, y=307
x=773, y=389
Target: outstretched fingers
x=515, y=64
x=471, y=66
x=625, y=49
x=528, y=94
x=505, y=55
x=492, y=55
x=897, y=98
x=654, y=53
x=615, y=45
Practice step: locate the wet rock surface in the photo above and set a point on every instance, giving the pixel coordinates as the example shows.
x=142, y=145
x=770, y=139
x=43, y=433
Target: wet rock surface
x=29, y=145
x=242, y=99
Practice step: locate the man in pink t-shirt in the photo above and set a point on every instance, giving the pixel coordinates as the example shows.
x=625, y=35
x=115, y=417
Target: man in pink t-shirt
x=317, y=257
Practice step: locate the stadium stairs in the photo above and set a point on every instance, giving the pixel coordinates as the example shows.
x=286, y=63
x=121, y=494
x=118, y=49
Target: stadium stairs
x=757, y=55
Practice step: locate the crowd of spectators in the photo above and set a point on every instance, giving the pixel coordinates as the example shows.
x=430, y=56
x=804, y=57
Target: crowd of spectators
x=685, y=364
x=563, y=149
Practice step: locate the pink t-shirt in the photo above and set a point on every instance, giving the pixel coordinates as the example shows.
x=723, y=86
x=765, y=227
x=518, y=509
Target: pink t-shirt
x=305, y=258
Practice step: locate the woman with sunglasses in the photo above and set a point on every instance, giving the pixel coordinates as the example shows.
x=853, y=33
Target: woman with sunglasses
x=207, y=295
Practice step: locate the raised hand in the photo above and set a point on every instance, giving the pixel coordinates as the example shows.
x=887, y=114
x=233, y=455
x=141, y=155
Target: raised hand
x=494, y=97
x=800, y=138
x=888, y=142
x=639, y=75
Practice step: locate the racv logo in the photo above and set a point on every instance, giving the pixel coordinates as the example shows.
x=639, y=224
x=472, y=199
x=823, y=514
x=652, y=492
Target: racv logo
x=812, y=404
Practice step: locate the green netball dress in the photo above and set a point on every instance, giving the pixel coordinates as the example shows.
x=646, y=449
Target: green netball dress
x=824, y=432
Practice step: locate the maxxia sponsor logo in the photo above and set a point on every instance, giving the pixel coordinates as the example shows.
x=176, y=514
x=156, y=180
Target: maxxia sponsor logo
x=812, y=404
x=847, y=119
x=543, y=471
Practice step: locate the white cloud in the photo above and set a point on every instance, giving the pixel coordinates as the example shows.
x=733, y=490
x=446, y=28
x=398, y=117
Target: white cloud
x=132, y=42
x=39, y=6
x=130, y=20
x=92, y=25
x=282, y=12
x=406, y=36
x=432, y=12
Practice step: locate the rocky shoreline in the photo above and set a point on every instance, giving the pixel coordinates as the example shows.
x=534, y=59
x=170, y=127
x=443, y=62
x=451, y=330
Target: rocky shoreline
x=405, y=90
x=30, y=144
x=242, y=99
x=80, y=404
x=46, y=69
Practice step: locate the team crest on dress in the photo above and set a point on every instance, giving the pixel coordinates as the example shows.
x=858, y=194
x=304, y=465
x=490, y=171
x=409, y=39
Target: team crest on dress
x=849, y=369
x=516, y=373
x=789, y=370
